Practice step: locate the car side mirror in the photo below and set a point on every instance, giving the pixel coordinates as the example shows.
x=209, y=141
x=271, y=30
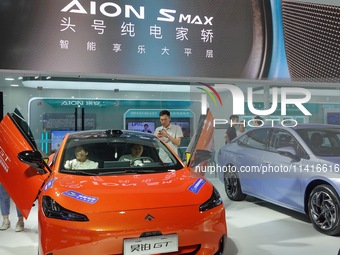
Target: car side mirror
x=34, y=159
x=289, y=151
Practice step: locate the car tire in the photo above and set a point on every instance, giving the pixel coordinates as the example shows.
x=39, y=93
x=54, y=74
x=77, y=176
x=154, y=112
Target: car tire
x=232, y=186
x=324, y=209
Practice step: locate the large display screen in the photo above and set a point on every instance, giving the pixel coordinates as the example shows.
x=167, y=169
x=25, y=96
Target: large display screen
x=333, y=118
x=141, y=126
x=57, y=137
x=192, y=38
x=185, y=125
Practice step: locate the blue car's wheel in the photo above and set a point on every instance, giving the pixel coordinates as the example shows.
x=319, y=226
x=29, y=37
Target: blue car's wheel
x=324, y=209
x=233, y=187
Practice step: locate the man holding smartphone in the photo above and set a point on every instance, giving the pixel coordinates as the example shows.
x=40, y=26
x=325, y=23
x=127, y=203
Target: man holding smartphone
x=169, y=133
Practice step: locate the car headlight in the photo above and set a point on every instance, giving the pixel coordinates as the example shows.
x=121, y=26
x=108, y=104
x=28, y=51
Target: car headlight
x=52, y=209
x=213, y=201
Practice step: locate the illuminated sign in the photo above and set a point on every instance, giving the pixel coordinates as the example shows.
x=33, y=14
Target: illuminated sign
x=192, y=38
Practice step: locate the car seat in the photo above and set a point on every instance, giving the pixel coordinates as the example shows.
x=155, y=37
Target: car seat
x=316, y=140
x=285, y=140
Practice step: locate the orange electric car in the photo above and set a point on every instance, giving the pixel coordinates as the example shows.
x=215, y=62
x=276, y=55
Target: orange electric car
x=111, y=192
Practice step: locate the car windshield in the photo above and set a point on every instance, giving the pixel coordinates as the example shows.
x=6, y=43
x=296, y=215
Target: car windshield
x=322, y=142
x=125, y=154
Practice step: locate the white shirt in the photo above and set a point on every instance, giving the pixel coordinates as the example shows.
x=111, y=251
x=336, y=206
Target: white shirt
x=128, y=157
x=174, y=131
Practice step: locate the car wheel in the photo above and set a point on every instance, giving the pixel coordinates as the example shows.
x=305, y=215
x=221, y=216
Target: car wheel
x=324, y=210
x=233, y=187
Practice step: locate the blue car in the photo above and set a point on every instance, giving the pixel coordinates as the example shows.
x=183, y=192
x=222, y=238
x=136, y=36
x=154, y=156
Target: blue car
x=294, y=167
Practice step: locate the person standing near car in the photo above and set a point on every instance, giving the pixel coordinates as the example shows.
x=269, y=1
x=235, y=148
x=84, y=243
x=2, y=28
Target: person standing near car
x=258, y=121
x=5, y=203
x=169, y=133
x=231, y=132
x=241, y=129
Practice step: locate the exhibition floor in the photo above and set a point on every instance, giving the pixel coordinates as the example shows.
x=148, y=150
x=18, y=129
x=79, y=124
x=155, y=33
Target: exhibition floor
x=255, y=228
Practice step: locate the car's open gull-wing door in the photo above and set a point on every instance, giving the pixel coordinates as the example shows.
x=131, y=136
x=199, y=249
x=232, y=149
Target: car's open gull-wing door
x=22, y=181
x=201, y=146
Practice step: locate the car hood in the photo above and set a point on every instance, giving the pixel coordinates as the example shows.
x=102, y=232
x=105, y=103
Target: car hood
x=128, y=192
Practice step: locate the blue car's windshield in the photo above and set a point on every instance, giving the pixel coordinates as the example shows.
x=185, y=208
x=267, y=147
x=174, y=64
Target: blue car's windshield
x=322, y=142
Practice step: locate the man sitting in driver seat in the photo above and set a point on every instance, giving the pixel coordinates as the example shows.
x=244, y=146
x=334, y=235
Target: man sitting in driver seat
x=136, y=152
x=135, y=157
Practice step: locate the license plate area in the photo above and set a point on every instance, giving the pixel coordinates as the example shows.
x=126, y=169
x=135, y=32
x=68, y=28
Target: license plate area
x=151, y=245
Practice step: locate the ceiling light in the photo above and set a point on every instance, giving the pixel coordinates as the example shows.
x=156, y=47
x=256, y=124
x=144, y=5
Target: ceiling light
x=50, y=84
x=116, y=86
x=9, y=79
x=14, y=85
x=48, y=77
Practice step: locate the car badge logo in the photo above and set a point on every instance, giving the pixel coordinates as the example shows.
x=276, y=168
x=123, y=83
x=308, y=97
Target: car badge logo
x=149, y=217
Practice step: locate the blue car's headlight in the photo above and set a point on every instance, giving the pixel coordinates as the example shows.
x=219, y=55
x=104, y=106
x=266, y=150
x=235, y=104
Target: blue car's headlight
x=213, y=201
x=52, y=209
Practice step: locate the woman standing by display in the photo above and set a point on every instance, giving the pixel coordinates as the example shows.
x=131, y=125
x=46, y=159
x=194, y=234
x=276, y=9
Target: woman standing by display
x=5, y=203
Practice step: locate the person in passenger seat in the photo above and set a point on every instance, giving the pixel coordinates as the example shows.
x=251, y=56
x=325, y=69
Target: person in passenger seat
x=81, y=161
x=316, y=141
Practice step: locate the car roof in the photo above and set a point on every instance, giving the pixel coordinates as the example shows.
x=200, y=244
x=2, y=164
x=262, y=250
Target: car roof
x=315, y=126
x=108, y=133
x=301, y=126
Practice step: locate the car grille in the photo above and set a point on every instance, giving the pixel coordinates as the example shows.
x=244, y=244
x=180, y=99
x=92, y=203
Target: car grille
x=312, y=40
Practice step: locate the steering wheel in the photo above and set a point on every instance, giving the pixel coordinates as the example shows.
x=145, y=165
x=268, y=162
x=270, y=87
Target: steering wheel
x=140, y=161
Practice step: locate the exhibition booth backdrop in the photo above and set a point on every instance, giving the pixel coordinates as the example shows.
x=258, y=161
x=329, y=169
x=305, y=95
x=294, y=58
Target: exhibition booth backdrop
x=215, y=41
